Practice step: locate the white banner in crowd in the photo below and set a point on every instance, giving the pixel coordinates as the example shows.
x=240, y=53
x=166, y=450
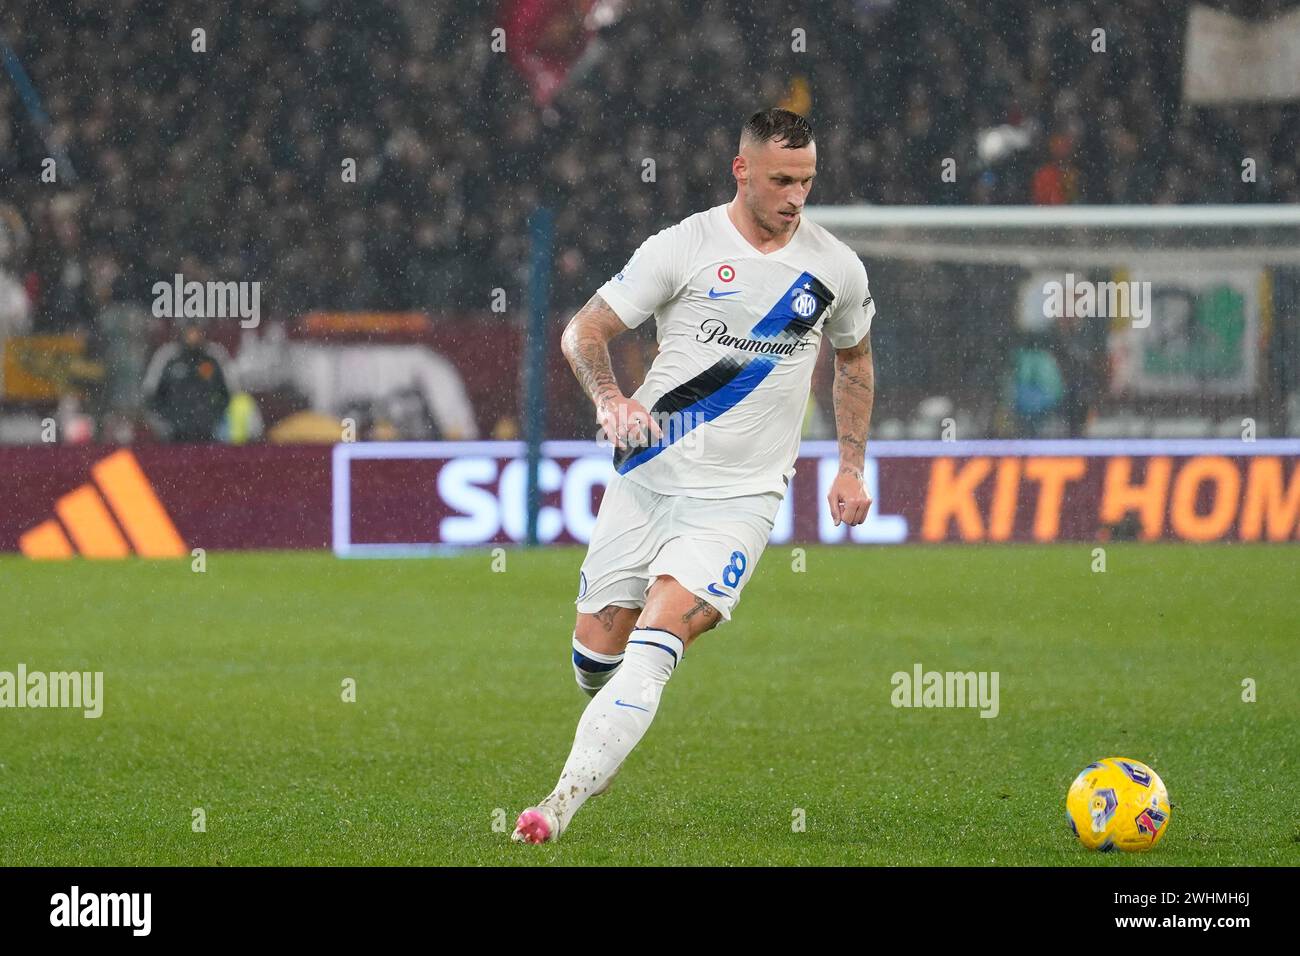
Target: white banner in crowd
x=1230, y=60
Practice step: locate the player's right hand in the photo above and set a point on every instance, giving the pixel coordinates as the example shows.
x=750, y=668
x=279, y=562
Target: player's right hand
x=625, y=422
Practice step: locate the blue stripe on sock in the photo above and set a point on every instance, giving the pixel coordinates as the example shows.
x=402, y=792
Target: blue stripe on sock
x=583, y=662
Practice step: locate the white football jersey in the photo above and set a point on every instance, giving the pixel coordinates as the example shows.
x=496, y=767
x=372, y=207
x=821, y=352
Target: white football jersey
x=739, y=332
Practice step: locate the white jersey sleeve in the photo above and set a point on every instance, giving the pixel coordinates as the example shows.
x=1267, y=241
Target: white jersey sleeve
x=851, y=318
x=653, y=277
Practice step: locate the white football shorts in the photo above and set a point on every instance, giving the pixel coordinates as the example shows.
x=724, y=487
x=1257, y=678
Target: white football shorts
x=710, y=545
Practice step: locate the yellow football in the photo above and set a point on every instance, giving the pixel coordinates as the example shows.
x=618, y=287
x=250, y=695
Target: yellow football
x=1118, y=804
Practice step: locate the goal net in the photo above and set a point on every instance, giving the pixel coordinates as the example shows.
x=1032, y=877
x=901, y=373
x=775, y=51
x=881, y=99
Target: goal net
x=1096, y=321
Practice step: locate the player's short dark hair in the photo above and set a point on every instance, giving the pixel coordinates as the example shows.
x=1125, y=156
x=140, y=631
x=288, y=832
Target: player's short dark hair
x=791, y=129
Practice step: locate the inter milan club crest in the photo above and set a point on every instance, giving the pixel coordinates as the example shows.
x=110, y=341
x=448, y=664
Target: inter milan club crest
x=726, y=273
x=804, y=304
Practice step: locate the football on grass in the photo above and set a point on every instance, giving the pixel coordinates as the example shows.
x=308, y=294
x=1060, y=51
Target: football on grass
x=1118, y=804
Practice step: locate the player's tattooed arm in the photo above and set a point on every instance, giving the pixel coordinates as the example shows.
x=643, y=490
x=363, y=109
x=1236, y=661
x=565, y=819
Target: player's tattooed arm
x=586, y=345
x=854, y=394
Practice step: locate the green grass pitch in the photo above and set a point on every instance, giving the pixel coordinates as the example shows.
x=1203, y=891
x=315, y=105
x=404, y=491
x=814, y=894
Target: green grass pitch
x=224, y=692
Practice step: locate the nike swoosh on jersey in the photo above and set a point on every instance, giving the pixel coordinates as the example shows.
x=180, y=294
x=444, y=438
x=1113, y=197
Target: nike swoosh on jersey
x=719, y=295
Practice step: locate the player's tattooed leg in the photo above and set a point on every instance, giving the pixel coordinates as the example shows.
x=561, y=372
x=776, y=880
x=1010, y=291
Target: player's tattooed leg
x=701, y=612
x=606, y=631
x=607, y=616
x=672, y=608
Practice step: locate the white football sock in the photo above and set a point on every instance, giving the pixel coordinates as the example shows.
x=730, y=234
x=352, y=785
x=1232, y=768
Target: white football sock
x=591, y=669
x=616, y=719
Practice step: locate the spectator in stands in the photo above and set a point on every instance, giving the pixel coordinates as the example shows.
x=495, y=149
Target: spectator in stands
x=1079, y=349
x=255, y=190
x=1057, y=181
x=1036, y=386
x=15, y=304
x=232, y=161
x=187, y=387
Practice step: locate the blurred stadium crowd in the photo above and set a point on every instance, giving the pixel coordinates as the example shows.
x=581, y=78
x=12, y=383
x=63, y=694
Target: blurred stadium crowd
x=226, y=164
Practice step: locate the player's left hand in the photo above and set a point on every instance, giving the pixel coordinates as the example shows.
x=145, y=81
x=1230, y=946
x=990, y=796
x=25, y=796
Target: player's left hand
x=848, y=498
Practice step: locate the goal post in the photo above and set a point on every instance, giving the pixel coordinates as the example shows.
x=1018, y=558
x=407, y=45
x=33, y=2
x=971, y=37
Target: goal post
x=1082, y=321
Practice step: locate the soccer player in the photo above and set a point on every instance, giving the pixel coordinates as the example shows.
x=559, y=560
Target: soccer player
x=704, y=450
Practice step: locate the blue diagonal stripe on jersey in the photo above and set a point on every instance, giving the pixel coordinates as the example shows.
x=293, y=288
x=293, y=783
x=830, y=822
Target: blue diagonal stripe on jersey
x=782, y=315
x=727, y=382
x=705, y=410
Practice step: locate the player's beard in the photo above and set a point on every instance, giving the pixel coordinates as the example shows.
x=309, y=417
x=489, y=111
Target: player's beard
x=774, y=225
